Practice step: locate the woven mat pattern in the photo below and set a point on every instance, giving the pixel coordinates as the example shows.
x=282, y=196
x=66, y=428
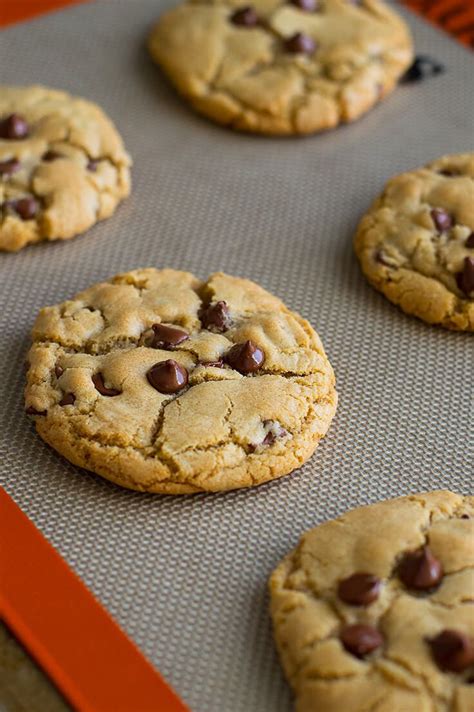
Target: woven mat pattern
x=186, y=577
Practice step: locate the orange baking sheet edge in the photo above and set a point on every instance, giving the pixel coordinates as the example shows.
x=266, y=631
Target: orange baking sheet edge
x=12, y=11
x=74, y=640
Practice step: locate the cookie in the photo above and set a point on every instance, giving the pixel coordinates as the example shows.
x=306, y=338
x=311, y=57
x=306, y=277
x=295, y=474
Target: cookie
x=63, y=166
x=282, y=67
x=416, y=243
x=373, y=610
x=163, y=383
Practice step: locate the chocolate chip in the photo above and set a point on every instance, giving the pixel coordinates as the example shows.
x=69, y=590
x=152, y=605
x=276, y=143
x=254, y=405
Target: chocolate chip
x=26, y=208
x=68, y=399
x=360, y=640
x=423, y=67
x=92, y=165
x=360, y=589
x=452, y=650
x=275, y=432
x=7, y=168
x=420, y=570
x=465, y=516
x=212, y=364
x=98, y=381
x=470, y=241
x=167, y=337
x=32, y=411
x=449, y=172
x=216, y=317
x=167, y=376
x=13, y=127
x=300, y=44
x=442, y=220
x=245, y=17
x=58, y=370
x=465, y=278
x=50, y=156
x=245, y=358
x=306, y=5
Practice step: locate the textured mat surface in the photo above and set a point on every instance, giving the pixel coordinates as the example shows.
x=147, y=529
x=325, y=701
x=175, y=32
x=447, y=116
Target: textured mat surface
x=186, y=577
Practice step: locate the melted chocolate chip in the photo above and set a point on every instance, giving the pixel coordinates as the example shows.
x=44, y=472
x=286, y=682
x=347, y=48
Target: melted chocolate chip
x=245, y=358
x=275, y=433
x=167, y=376
x=216, y=317
x=306, y=5
x=420, y=570
x=360, y=589
x=7, y=168
x=465, y=278
x=13, y=127
x=360, y=640
x=423, y=67
x=58, y=370
x=98, y=381
x=32, y=411
x=449, y=172
x=26, y=208
x=92, y=165
x=452, y=650
x=167, y=337
x=465, y=516
x=50, y=156
x=212, y=364
x=442, y=220
x=470, y=241
x=245, y=17
x=300, y=44
x=68, y=399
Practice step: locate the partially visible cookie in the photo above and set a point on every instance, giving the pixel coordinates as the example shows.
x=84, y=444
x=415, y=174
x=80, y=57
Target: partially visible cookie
x=416, y=243
x=374, y=610
x=163, y=383
x=282, y=66
x=63, y=166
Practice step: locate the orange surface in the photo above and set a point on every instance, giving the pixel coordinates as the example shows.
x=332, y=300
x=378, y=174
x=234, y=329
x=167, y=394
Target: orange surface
x=455, y=16
x=61, y=624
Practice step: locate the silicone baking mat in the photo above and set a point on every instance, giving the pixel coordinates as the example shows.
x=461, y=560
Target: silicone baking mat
x=186, y=577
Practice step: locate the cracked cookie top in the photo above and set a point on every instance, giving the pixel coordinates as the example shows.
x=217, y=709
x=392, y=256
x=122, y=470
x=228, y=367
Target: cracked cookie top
x=416, y=243
x=161, y=382
x=63, y=166
x=374, y=610
x=282, y=66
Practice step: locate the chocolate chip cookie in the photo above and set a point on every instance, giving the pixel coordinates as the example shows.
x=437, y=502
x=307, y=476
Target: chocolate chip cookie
x=416, y=243
x=282, y=66
x=374, y=610
x=163, y=383
x=63, y=166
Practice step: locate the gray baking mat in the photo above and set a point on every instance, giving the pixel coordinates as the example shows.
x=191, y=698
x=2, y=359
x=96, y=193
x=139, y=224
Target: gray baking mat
x=186, y=577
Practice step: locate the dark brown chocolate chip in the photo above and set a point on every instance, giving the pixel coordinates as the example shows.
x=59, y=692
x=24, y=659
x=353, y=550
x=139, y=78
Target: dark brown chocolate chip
x=32, y=411
x=245, y=17
x=167, y=376
x=13, y=127
x=58, y=370
x=216, y=317
x=300, y=44
x=212, y=364
x=420, y=570
x=98, y=381
x=306, y=5
x=465, y=278
x=68, y=399
x=452, y=650
x=360, y=589
x=167, y=337
x=465, y=516
x=360, y=640
x=245, y=358
x=276, y=431
x=442, y=220
x=92, y=165
x=7, y=168
x=50, y=156
x=26, y=208
x=449, y=172
x=470, y=241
